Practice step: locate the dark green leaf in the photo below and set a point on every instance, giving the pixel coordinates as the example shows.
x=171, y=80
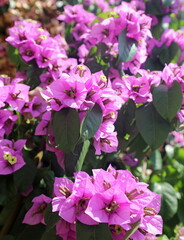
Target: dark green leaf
x=127, y=47
x=94, y=232
x=129, y=233
x=24, y=177
x=49, y=181
x=167, y=54
x=125, y=121
x=156, y=160
x=167, y=3
x=167, y=100
x=50, y=235
x=169, y=202
x=153, y=65
x=33, y=75
x=139, y=146
x=7, y=237
x=66, y=126
x=13, y=53
x=15, y=57
x=83, y=155
x=153, y=128
x=153, y=7
x=91, y=122
x=51, y=218
x=94, y=66
x=181, y=210
x=90, y=161
x=32, y=232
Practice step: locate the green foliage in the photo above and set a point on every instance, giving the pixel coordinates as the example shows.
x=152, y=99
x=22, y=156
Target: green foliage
x=156, y=160
x=93, y=232
x=7, y=237
x=83, y=153
x=15, y=57
x=169, y=202
x=24, y=177
x=167, y=3
x=130, y=232
x=153, y=7
x=167, y=54
x=127, y=47
x=66, y=126
x=167, y=100
x=91, y=122
x=153, y=128
x=33, y=75
x=51, y=218
x=105, y=15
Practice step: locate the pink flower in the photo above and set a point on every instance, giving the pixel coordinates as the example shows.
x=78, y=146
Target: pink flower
x=109, y=207
x=74, y=206
x=18, y=96
x=35, y=214
x=11, y=156
x=106, y=143
x=66, y=230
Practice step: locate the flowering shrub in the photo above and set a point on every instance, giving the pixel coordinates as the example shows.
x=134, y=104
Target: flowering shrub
x=90, y=121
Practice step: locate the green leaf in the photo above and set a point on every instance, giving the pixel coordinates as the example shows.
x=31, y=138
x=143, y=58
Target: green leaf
x=15, y=57
x=134, y=228
x=91, y=122
x=83, y=155
x=32, y=232
x=105, y=15
x=93, y=232
x=167, y=100
x=164, y=237
x=51, y=234
x=169, y=202
x=51, y=218
x=153, y=128
x=153, y=7
x=66, y=126
x=127, y=47
x=125, y=121
x=181, y=210
x=7, y=237
x=25, y=176
x=33, y=75
x=156, y=160
x=153, y=65
x=139, y=146
x=167, y=3
x=167, y=54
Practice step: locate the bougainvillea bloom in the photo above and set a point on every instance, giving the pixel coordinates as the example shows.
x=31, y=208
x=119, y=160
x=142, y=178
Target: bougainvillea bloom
x=35, y=214
x=11, y=158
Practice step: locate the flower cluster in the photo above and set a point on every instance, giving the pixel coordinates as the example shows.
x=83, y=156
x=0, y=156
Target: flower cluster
x=35, y=43
x=81, y=90
x=88, y=33
x=114, y=196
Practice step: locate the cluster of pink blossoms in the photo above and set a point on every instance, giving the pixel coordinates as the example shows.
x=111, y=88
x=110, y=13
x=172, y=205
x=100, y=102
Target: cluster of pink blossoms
x=65, y=84
x=114, y=196
x=36, y=45
x=123, y=17
x=81, y=90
